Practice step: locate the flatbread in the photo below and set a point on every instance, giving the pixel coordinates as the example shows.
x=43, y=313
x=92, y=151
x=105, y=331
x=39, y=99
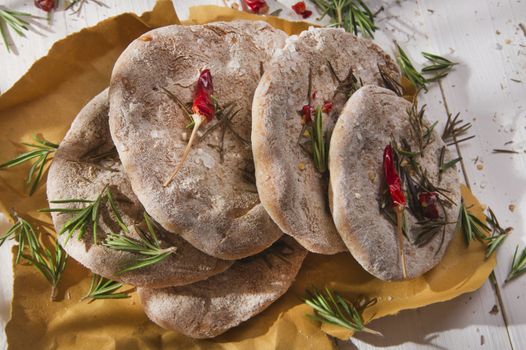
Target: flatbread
x=208, y=308
x=368, y=123
x=85, y=162
x=293, y=192
x=213, y=201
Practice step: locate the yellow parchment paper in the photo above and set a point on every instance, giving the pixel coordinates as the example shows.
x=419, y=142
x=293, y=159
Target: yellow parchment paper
x=45, y=101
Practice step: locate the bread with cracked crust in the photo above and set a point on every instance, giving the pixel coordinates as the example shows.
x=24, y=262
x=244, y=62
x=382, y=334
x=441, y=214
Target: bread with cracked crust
x=213, y=202
x=86, y=162
x=291, y=189
x=372, y=118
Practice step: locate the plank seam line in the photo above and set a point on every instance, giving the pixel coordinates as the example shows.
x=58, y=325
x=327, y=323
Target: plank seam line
x=493, y=277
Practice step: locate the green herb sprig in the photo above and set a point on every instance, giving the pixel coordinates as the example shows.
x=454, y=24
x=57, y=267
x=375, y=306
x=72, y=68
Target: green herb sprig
x=409, y=70
x=319, y=146
x=439, y=66
x=352, y=15
x=455, y=130
x=331, y=308
x=87, y=216
x=76, y=5
x=518, y=265
x=15, y=20
x=148, y=245
x=103, y=288
x=498, y=234
x=41, y=150
x=24, y=234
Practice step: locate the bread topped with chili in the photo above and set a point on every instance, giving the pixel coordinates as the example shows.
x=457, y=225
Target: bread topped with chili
x=86, y=167
x=383, y=159
x=313, y=74
x=209, y=308
x=212, y=202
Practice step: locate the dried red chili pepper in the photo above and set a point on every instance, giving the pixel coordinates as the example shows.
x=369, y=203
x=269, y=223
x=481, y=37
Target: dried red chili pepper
x=392, y=178
x=397, y=196
x=45, y=5
x=204, y=112
x=327, y=107
x=301, y=9
x=257, y=6
x=306, y=113
x=428, y=202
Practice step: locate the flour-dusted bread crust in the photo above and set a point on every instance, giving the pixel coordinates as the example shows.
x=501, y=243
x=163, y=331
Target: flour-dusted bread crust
x=85, y=162
x=213, y=202
x=291, y=189
x=367, y=124
x=209, y=308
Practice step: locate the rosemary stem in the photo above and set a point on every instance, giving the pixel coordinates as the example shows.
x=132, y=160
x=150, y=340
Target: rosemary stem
x=198, y=121
x=400, y=235
x=54, y=292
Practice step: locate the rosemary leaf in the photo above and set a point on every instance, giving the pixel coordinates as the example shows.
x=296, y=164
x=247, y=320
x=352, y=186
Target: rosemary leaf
x=409, y=70
x=16, y=21
x=331, y=308
x=439, y=66
x=103, y=288
x=50, y=263
x=352, y=15
x=24, y=234
x=518, y=264
x=319, y=146
x=498, y=234
x=148, y=245
x=40, y=154
x=471, y=226
x=455, y=130
x=76, y=5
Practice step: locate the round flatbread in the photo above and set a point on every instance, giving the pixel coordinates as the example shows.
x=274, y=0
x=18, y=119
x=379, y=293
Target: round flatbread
x=373, y=118
x=208, y=308
x=84, y=164
x=292, y=190
x=213, y=201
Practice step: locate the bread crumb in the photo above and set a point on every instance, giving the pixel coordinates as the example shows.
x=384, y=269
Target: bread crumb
x=146, y=37
x=507, y=41
x=511, y=207
x=301, y=166
x=184, y=136
x=372, y=176
x=480, y=166
x=357, y=196
x=389, y=298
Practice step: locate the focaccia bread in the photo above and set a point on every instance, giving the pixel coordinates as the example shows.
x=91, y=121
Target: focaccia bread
x=363, y=211
x=84, y=164
x=209, y=308
x=319, y=67
x=213, y=201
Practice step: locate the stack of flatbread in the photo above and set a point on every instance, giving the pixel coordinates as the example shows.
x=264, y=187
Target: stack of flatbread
x=233, y=227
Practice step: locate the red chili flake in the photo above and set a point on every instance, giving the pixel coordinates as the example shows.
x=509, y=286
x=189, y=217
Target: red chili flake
x=428, y=202
x=257, y=6
x=392, y=178
x=327, y=107
x=314, y=95
x=306, y=113
x=203, y=104
x=45, y=5
x=301, y=9
x=204, y=111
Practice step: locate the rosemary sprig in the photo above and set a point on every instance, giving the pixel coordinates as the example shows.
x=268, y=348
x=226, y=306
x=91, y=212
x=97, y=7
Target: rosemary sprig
x=50, y=263
x=471, y=227
x=455, y=130
x=498, y=234
x=439, y=66
x=24, y=234
x=518, y=265
x=331, y=308
x=409, y=70
x=148, y=245
x=76, y=5
x=87, y=216
x=319, y=146
x=103, y=288
x=352, y=15
x=41, y=150
x=421, y=132
x=391, y=83
x=16, y=21
x=444, y=166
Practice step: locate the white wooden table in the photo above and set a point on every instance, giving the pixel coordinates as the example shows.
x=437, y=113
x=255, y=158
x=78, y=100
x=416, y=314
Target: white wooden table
x=485, y=37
